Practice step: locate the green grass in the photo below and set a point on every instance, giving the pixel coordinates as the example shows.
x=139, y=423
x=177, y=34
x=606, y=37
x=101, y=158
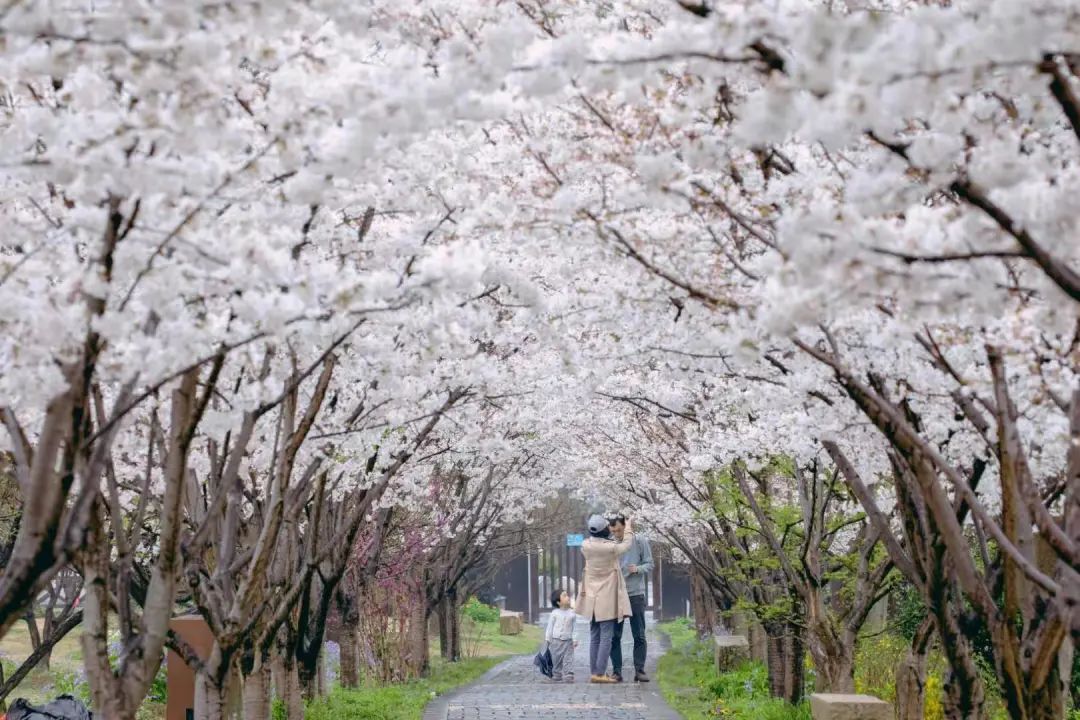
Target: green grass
x=40, y=685
x=482, y=639
x=65, y=673
x=690, y=684
x=406, y=701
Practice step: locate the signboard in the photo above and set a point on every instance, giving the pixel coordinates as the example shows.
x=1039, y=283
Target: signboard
x=574, y=540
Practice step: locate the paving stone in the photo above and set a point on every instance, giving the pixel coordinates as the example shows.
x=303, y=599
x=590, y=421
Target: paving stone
x=515, y=690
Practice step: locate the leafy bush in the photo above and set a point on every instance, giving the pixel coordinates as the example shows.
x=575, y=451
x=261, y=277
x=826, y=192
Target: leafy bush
x=744, y=693
x=690, y=684
x=479, y=612
x=876, y=660
x=70, y=683
x=908, y=611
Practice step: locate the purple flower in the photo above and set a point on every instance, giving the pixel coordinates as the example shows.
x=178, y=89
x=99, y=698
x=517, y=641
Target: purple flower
x=333, y=660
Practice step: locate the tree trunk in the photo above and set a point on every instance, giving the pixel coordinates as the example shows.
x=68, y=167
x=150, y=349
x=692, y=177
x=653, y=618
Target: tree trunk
x=350, y=653
x=277, y=675
x=294, y=697
x=256, y=698
x=911, y=675
x=35, y=635
x=777, y=665
x=417, y=642
x=307, y=672
x=835, y=674
x=796, y=649
x=834, y=659
x=454, y=617
x=1048, y=702
x=785, y=652
x=705, y=618
x=965, y=696
x=320, y=676
x=442, y=614
x=209, y=699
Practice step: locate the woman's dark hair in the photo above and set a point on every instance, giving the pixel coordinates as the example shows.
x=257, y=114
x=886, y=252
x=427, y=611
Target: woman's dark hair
x=605, y=533
x=556, y=596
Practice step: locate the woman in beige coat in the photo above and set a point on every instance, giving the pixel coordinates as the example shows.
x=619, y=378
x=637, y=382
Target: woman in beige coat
x=602, y=598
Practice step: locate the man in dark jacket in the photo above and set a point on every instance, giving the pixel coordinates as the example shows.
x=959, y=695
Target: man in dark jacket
x=637, y=563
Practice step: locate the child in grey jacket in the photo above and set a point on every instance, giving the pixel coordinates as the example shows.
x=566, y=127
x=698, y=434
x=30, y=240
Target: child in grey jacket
x=560, y=637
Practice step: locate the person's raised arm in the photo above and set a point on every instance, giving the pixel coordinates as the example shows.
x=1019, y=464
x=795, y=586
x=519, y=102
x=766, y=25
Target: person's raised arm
x=623, y=546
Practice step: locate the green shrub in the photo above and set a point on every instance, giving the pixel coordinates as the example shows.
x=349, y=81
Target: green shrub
x=744, y=694
x=690, y=684
x=479, y=612
x=908, y=611
x=876, y=660
x=69, y=683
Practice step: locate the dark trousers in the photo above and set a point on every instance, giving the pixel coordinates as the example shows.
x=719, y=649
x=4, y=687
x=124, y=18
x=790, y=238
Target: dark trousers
x=600, y=645
x=637, y=628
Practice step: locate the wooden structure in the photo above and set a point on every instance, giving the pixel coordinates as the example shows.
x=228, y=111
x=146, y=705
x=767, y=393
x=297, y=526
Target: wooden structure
x=180, y=683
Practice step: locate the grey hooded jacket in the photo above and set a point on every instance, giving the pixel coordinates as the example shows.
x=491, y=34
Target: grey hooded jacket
x=639, y=554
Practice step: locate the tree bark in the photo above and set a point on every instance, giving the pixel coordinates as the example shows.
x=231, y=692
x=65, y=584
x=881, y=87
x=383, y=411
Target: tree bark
x=209, y=699
x=454, y=613
x=965, y=696
x=277, y=675
x=294, y=698
x=417, y=642
x=443, y=616
x=320, y=676
x=307, y=673
x=256, y=697
x=35, y=634
x=796, y=667
x=350, y=652
x=1046, y=702
x=705, y=617
x=785, y=651
x=911, y=675
x=834, y=659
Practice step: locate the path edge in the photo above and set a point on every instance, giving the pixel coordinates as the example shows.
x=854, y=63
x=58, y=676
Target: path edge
x=439, y=706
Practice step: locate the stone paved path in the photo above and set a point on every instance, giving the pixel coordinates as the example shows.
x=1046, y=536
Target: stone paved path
x=515, y=690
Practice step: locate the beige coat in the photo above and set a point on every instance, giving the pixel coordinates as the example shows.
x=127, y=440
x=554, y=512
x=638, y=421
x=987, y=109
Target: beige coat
x=603, y=589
